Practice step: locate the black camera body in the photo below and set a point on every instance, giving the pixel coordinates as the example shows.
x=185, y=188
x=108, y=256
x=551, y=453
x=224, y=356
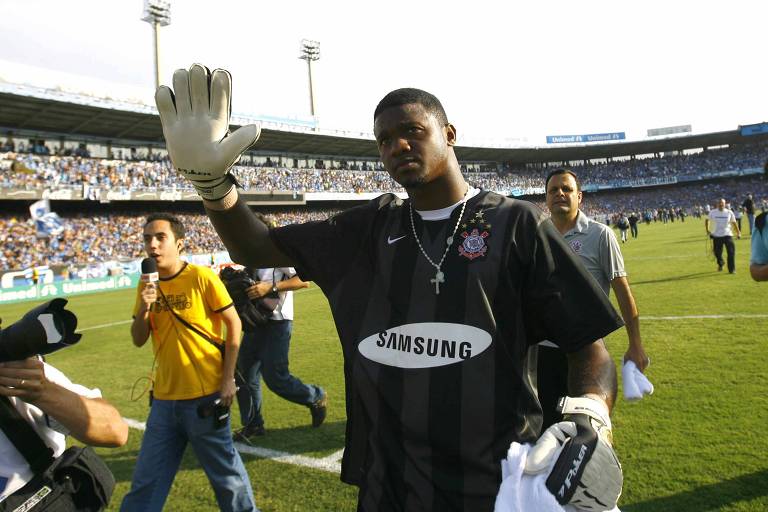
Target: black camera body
x=215, y=409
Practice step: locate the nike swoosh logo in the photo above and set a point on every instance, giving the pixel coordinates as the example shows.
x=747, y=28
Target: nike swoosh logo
x=391, y=240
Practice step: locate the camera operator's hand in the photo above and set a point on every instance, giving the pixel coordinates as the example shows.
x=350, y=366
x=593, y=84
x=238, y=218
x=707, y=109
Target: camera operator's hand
x=90, y=420
x=259, y=290
x=24, y=379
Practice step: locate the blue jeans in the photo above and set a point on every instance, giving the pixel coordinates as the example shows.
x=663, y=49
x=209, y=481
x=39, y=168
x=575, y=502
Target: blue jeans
x=265, y=352
x=171, y=425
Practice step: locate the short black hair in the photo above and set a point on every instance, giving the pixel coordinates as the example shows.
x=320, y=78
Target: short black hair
x=558, y=172
x=410, y=95
x=176, y=226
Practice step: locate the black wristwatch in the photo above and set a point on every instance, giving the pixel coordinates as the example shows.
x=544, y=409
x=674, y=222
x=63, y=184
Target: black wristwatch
x=274, y=290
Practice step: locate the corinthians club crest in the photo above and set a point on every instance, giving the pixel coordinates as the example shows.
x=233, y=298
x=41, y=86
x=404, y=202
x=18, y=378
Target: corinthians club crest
x=475, y=233
x=576, y=246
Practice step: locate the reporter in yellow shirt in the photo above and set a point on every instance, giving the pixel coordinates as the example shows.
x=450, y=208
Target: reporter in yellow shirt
x=192, y=375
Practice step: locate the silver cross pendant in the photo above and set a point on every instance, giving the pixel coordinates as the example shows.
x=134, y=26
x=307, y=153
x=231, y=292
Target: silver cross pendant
x=439, y=278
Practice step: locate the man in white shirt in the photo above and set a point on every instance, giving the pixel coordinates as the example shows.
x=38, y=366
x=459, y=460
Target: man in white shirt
x=723, y=227
x=264, y=353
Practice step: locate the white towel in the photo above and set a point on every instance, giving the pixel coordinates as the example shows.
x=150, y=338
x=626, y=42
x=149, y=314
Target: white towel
x=635, y=383
x=520, y=492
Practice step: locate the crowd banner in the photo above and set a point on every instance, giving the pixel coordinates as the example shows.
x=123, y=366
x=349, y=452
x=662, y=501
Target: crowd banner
x=47, y=291
x=122, y=274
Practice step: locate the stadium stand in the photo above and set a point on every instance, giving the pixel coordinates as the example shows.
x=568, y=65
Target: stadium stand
x=43, y=171
x=103, y=167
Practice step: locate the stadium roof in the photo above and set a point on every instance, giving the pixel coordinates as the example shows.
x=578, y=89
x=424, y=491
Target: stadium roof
x=95, y=119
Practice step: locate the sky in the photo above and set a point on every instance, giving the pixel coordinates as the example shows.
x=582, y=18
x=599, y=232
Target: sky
x=508, y=73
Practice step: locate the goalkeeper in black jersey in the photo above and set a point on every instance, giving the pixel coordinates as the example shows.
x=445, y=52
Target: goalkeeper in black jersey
x=436, y=299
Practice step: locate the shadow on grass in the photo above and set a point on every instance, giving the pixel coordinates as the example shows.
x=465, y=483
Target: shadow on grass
x=121, y=463
x=304, y=439
x=691, y=239
x=709, y=497
x=684, y=277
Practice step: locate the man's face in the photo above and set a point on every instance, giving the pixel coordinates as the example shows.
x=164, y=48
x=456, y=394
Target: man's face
x=161, y=244
x=721, y=204
x=563, y=199
x=413, y=145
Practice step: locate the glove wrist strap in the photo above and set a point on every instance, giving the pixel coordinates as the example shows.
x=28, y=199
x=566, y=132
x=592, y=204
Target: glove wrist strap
x=584, y=405
x=216, y=189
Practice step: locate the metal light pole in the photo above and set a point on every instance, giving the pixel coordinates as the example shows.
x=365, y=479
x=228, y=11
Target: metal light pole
x=310, y=51
x=158, y=14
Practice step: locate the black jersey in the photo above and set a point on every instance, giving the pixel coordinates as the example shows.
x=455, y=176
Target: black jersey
x=439, y=385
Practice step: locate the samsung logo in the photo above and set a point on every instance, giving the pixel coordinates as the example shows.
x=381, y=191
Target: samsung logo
x=425, y=345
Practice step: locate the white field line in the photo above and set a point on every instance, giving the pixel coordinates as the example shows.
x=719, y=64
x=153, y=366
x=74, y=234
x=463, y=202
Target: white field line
x=123, y=322
x=112, y=324
x=704, y=317
x=642, y=317
x=667, y=257
x=331, y=463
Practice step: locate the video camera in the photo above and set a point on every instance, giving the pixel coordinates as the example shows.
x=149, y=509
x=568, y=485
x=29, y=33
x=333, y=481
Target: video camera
x=42, y=330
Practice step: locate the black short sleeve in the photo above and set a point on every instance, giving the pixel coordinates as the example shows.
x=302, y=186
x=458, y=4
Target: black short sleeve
x=561, y=301
x=323, y=251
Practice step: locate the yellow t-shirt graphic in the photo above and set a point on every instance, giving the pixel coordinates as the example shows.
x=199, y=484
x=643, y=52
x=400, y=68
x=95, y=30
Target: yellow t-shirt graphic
x=188, y=366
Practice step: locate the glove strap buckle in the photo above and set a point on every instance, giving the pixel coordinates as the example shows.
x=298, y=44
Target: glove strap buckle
x=585, y=405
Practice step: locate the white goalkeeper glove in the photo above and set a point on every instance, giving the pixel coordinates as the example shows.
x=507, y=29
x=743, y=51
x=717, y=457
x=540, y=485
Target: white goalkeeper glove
x=196, y=128
x=586, y=472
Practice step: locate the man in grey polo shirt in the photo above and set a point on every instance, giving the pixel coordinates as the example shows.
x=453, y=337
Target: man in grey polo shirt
x=599, y=250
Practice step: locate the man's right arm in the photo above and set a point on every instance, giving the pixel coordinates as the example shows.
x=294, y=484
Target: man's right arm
x=245, y=236
x=140, y=328
x=758, y=265
x=759, y=272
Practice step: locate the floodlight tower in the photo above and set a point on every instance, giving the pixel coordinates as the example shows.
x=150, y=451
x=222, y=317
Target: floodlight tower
x=310, y=52
x=158, y=14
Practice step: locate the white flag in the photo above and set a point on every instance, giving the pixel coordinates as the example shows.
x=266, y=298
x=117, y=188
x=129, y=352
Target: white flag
x=39, y=209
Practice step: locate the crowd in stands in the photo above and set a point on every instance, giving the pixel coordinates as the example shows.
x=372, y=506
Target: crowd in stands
x=43, y=171
x=694, y=164
x=88, y=238
x=92, y=238
x=689, y=197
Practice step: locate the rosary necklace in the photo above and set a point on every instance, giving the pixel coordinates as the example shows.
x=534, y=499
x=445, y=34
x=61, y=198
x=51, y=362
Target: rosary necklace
x=439, y=275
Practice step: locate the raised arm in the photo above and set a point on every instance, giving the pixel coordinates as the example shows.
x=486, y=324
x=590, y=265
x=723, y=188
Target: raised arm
x=245, y=236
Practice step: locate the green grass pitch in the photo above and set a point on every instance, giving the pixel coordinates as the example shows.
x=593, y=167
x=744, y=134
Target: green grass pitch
x=700, y=443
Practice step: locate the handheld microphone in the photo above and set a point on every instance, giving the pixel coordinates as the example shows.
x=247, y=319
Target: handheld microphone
x=149, y=271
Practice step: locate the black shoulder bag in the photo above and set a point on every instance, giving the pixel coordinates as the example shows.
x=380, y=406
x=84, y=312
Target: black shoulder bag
x=78, y=480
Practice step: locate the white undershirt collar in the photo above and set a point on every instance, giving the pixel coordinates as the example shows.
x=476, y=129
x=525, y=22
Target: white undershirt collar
x=445, y=213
